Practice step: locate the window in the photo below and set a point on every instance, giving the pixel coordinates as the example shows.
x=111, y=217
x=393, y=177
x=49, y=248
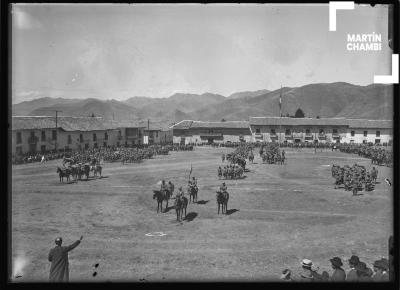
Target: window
x=273, y=131
x=378, y=133
x=80, y=138
x=86, y=146
x=364, y=141
x=117, y=144
x=307, y=131
x=105, y=136
x=352, y=133
x=365, y=133
x=95, y=145
x=287, y=132
x=258, y=130
x=69, y=139
x=334, y=131
x=156, y=134
x=104, y=144
x=32, y=134
x=19, y=138
x=377, y=141
x=43, y=135
x=94, y=137
x=321, y=131
x=43, y=148
x=54, y=135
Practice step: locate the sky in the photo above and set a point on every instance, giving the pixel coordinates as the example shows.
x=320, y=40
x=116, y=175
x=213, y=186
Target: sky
x=117, y=51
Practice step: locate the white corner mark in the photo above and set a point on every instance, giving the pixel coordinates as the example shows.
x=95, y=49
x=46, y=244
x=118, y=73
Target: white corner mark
x=333, y=6
x=392, y=79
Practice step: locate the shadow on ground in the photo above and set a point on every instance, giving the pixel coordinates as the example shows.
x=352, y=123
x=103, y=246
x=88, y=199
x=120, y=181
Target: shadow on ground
x=191, y=216
x=202, y=201
x=231, y=211
x=168, y=208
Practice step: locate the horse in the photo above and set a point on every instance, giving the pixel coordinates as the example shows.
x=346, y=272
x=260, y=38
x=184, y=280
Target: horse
x=74, y=172
x=96, y=169
x=161, y=196
x=63, y=173
x=192, y=191
x=222, y=201
x=86, y=170
x=180, y=205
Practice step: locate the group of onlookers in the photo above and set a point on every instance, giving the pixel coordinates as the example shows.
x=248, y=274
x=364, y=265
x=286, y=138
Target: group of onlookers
x=358, y=272
x=378, y=154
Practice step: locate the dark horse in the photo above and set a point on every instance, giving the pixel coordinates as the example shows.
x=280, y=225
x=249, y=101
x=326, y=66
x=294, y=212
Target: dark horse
x=96, y=170
x=222, y=200
x=86, y=170
x=251, y=157
x=63, y=173
x=161, y=196
x=192, y=191
x=180, y=205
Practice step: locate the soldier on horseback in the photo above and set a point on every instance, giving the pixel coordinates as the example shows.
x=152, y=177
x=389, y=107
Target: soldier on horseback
x=180, y=193
x=223, y=187
x=219, y=172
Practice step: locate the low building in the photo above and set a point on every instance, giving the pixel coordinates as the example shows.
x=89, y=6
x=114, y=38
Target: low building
x=321, y=130
x=369, y=131
x=198, y=132
x=158, y=135
x=31, y=134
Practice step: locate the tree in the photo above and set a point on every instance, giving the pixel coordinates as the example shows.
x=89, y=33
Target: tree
x=223, y=120
x=92, y=115
x=317, y=117
x=287, y=115
x=299, y=113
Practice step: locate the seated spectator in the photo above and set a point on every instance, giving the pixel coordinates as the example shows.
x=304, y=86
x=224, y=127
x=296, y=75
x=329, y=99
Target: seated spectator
x=380, y=268
x=338, y=274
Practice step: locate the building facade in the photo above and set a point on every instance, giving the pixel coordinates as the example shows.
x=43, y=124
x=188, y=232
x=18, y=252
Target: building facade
x=42, y=134
x=199, y=132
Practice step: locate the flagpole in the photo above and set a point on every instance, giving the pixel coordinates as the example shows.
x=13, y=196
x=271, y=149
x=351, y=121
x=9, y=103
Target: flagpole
x=280, y=117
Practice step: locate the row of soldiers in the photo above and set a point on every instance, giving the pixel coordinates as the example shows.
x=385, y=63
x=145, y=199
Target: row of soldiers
x=354, y=178
x=378, y=155
x=358, y=272
x=170, y=187
x=231, y=171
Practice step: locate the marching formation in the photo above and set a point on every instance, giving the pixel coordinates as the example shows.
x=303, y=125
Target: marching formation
x=378, y=156
x=355, y=178
x=270, y=154
x=231, y=171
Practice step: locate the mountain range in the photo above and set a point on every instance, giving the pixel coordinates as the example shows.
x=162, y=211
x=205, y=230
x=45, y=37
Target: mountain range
x=323, y=99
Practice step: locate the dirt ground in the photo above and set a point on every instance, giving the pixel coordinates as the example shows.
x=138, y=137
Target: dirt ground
x=277, y=215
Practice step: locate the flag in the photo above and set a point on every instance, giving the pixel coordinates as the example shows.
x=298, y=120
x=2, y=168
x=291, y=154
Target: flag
x=191, y=169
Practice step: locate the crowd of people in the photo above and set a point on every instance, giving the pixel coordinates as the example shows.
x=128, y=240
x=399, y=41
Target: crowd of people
x=354, y=178
x=378, y=154
x=231, y=171
x=271, y=154
x=106, y=154
x=358, y=272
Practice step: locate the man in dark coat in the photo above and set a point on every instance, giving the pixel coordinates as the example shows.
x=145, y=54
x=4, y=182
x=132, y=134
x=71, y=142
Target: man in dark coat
x=352, y=274
x=380, y=268
x=338, y=274
x=58, y=256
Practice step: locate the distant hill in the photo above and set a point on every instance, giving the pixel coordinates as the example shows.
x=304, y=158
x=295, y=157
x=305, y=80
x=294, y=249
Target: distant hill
x=247, y=94
x=325, y=100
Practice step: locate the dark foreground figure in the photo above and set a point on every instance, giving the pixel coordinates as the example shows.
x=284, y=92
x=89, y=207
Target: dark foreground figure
x=58, y=256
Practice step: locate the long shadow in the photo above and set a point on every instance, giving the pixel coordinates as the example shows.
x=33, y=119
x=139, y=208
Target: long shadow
x=168, y=209
x=101, y=177
x=202, y=201
x=231, y=211
x=191, y=216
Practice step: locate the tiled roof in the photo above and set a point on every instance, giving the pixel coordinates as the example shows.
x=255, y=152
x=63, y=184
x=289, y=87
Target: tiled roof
x=68, y=123
x=298, y=121
x=362, y=123
x=188, y=124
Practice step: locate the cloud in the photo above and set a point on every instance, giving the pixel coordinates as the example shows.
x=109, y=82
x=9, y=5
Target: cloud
x=23, y=20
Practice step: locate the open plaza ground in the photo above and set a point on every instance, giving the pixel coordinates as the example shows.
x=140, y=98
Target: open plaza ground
x=277, y=215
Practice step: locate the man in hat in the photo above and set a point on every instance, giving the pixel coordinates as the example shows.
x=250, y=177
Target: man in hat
x=306, y=274
x=58, y=256
x=363, y=272
x=352, y=274
x=223, y=187
x=171, y=188
x=180, y=193
x=380, y=268
x=285, y=276
x=338, y=274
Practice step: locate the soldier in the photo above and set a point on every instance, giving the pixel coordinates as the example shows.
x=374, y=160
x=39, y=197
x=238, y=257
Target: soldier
x=194, y=182
x=223, y=187
x=219, y=172
x=180, y=193
x=286, y=275
x=163, y=186
x=223, y=157
x=171, y=188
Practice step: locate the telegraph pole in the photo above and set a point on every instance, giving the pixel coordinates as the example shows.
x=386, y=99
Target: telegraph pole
x=280, y=117
x=55, y=143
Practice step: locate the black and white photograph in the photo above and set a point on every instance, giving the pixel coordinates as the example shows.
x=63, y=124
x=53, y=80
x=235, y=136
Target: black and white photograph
x=202, y=142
